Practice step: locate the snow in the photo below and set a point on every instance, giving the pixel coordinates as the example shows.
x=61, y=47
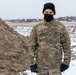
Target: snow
x=25, y=31
x=28, y=72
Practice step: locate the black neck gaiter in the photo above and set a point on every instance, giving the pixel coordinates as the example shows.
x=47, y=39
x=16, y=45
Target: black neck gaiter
x=48, y=17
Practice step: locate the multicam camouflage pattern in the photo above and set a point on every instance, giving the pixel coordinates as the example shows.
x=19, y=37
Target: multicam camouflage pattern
x=47, y=43
x=50, y=72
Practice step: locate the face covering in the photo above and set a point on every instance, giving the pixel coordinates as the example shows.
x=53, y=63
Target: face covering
x=48, y=17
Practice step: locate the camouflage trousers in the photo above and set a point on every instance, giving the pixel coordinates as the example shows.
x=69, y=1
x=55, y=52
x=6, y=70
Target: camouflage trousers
x=51, y=72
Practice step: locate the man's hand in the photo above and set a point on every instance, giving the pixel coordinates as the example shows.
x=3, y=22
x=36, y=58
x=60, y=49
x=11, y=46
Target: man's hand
x=33, y=68
x=64, y=67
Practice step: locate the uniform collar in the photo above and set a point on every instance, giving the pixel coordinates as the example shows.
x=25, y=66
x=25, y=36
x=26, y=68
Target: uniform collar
x=47, y=23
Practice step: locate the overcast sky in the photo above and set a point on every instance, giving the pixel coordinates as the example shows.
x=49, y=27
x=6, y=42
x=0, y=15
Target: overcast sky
x=14, y=9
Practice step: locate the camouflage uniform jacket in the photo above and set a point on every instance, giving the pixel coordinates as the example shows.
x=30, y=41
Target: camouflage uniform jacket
x=47, y=43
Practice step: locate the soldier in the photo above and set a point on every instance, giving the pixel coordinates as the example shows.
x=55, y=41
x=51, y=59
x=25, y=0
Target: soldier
x=48, y=42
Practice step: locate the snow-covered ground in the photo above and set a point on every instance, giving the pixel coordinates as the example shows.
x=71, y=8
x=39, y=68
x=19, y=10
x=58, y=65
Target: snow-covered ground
x=25, y=31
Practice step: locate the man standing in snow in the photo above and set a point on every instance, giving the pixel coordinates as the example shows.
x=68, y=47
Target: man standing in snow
x=47, y=42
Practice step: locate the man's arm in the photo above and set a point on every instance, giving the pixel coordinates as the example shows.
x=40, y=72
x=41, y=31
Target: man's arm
x=65, y=41
x=32, y=49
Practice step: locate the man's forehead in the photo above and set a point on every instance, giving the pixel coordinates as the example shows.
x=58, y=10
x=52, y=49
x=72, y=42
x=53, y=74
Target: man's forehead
x=48, y=10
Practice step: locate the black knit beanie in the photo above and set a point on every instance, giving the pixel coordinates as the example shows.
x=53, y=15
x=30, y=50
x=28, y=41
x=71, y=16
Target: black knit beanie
x=49, y=6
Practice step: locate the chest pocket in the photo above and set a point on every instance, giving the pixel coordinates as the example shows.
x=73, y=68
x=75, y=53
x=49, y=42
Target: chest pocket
x=42, y=34
x=54, y=34
x=54, y=37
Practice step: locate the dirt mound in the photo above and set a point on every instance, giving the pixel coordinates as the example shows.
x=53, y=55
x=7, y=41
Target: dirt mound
x=13, y=51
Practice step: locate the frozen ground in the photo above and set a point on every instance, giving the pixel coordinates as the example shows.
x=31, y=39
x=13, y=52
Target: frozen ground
x=72, y=31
